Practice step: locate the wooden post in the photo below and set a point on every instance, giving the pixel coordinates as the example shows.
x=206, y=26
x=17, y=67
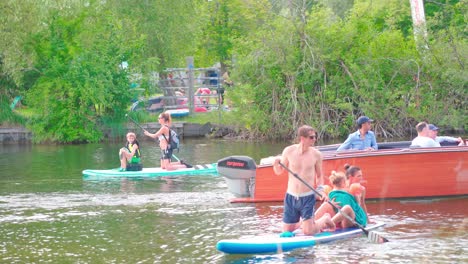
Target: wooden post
x=191, y=82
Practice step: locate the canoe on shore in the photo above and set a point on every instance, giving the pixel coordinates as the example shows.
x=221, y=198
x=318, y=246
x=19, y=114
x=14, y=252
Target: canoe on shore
x=203, y=169
x=178, y=112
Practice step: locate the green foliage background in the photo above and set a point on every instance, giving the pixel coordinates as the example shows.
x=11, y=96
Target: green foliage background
x=320, y=62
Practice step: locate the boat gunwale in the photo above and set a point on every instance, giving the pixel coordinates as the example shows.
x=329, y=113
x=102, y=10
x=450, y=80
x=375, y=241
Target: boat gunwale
x=383, y=152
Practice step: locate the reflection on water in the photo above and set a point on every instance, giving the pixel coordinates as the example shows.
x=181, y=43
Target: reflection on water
x=49, y=214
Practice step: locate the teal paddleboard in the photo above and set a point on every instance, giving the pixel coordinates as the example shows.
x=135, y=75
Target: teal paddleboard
x=204, y=169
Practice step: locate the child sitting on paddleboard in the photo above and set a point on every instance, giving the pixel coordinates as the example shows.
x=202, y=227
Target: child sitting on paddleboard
x=345, y=200
x=130, y=154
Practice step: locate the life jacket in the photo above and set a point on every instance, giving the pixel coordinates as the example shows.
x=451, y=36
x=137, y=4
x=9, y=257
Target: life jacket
x=130, y=148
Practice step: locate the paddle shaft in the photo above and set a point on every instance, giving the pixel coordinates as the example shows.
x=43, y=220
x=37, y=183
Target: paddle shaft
x=319, y=194
x=175, y=157
x=135, y=122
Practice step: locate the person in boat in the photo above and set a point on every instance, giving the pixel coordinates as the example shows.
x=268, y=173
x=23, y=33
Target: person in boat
x=355, y=178
x=299, y=200
x=130, y=154
x=423, y=140
x=362, y=139
x=343, y=199
x=162, y=135
x=433, y=133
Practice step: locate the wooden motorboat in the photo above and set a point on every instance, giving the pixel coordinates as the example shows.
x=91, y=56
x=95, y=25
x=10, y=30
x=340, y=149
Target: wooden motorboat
x=393, y=171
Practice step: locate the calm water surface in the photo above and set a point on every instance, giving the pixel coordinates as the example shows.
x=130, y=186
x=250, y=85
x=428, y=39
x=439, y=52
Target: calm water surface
x=49, y=214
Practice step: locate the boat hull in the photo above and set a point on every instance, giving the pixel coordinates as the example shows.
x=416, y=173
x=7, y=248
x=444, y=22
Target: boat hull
x=390, y=173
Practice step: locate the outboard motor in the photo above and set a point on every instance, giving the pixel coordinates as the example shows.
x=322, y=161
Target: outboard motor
x=239, y=173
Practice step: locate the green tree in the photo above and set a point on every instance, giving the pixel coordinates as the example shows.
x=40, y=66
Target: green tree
x=81, y=86
x=322, y=63
x=223, y=22
x=446, y=79
x=307, y=64
x=171, y=29
x=17, y=20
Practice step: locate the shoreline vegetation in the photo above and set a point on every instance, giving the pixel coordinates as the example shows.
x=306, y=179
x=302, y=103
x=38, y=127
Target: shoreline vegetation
x=17, y=134
x=78, y=66
x=20, y=134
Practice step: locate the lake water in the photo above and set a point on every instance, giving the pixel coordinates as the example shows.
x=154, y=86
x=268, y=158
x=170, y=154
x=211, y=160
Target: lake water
x=49, y=214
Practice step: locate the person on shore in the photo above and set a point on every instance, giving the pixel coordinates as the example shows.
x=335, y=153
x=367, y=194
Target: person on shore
x=433, y=133
x=162, y=135
x=423, y=139
x=130, y=154
x=227, y=82
x=299, y=201
x=362, y=139
x=203, y=95
x=343, y=199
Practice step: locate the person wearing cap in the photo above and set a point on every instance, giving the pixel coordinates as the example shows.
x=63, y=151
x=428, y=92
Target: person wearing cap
x=362, y=139
x=423, y=140
x=433, y=131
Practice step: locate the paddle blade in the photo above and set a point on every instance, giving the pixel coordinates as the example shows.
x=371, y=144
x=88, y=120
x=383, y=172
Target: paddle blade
x=376, y=238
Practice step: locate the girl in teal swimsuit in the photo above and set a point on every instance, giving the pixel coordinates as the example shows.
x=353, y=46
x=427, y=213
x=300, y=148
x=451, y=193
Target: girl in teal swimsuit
x=347, y=201
x=343, y=199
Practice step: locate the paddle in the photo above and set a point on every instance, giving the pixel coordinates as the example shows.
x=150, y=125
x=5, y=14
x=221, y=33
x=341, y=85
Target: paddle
x=374, y=237
x=135, y=122
x=176, y=157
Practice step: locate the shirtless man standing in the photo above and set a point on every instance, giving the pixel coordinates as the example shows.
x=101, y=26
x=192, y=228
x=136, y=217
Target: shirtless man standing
x=299, y=201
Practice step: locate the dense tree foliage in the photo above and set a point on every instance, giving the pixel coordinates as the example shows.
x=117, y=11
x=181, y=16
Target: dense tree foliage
x=307, y=64
x=318, y=62
x=80, y=83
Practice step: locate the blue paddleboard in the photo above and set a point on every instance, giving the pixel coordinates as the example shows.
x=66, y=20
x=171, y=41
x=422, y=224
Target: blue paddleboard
x=276, y=244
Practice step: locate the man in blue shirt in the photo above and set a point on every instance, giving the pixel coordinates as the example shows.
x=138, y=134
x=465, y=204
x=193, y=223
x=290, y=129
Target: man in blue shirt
x=363, y=139
x=433, y=133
